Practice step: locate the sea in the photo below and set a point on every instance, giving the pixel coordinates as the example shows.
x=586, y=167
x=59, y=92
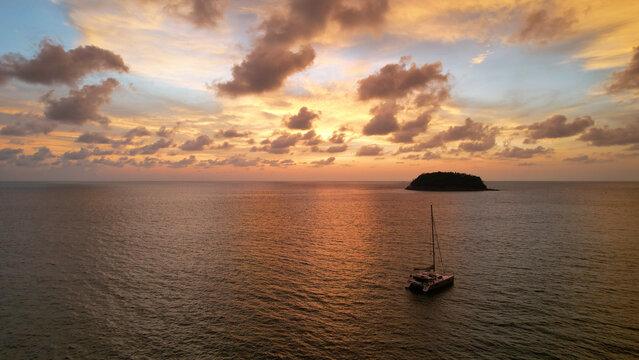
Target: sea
x=316, y=270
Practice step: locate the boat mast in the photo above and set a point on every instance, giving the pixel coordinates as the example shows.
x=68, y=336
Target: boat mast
x=432, y=228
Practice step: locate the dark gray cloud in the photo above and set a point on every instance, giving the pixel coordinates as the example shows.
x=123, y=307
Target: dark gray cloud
x=303, y=20
x=271, y=61
x=166, y=133
x=395, y=81
x=369, y=13
x=370, y=150
x=522, y=153
x=35, y=159
x=81, y=105
x=120, y=162
x=93, y=138
x=224, y=146
x=384, y=120
x=582, y=159
x=309, y=135
x=626, y=79
x=333, y=149
x=139, y=131
x=180, y=163
x=413, y=148
x=311, y=138
x=201, y=13
x=483, y=144
x=409, y=129
x=540, y=27
x=279, y=163
x=421, y=146
x=265, y=69
x=231, y=133
x=325, y=162
x=481, y=136
x=23, y=124
x=606, y=136
x=54, y=65
x=411, y=157
x=337, y=148
x=5, y=74
x=151, y=148
x=197, y=144
x=303, y=120
x=427, y=155
x=9, y=153
x=337, y=137
x=236, y=160
x=43, y=153
x=282, y=143
x=557, y=126
x=433, y=97
x=306, y=19
x=99, y=152
x=77, y=155
x=148, y=162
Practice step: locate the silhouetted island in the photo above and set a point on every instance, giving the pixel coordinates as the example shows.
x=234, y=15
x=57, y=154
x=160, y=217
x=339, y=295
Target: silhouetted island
x=447, y=181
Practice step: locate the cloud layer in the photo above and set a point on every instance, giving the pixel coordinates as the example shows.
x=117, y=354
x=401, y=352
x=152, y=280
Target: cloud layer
x=197, y=144
x=370, y=150
x=272, y=59
x=626, y=79
x=201, y=13
x=384, y=121
x=54, y=65
x=22, y=124
x=541, y=27
x=606, y=136
x=302, y=120
x=81, y=105
x=423, y=87
x=481, y=137
x=522, y=153
x=557, y=126
x=396, y=80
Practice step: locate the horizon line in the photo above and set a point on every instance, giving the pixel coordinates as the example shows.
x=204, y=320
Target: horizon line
x=288, y=181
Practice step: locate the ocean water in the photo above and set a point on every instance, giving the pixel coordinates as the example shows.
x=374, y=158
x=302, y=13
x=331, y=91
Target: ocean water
x=316, y=270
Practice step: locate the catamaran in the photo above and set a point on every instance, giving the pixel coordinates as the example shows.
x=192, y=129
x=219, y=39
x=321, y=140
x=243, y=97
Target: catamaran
x=427, y=280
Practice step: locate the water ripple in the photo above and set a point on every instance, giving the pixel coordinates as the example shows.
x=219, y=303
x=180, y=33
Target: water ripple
x=316, y=270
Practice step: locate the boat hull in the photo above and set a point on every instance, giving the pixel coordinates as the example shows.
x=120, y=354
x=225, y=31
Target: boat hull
x=424, y=284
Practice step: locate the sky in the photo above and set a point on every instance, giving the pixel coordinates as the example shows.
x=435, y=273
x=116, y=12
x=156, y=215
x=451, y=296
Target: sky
x=318, y=90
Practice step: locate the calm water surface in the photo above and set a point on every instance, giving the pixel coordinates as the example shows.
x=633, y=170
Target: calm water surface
x=316, y=270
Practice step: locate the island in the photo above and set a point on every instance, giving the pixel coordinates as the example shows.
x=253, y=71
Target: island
x=447, y=181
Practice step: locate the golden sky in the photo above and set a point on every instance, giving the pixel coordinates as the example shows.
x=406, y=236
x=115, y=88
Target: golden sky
x=319, y=90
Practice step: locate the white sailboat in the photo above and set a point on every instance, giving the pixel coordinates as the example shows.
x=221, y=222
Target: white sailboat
x=426, y=280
